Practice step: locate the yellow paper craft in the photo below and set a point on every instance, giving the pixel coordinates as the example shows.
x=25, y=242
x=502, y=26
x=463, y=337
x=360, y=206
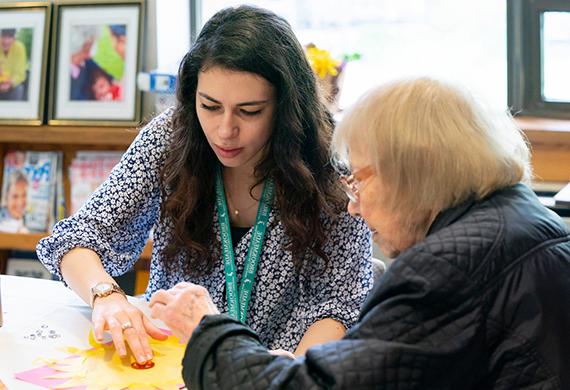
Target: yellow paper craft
x=102, y=368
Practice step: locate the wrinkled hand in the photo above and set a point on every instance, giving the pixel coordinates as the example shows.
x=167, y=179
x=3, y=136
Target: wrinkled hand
x=114, y=314
x=182, y=308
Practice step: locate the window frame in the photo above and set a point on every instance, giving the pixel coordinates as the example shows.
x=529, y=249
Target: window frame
x=524, y=58
x=195, y=8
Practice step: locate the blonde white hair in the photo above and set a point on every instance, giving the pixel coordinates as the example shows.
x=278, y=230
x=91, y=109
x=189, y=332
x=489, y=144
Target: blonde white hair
x=432, y=145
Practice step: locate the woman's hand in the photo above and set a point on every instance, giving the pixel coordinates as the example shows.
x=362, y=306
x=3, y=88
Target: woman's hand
x=127, y=324
x=182, y=308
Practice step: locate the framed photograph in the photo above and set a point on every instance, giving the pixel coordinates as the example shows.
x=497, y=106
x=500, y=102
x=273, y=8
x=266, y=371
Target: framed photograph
x=24, y=37
x=95, y=60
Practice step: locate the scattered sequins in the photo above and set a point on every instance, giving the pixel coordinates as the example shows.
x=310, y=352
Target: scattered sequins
x=42, y=333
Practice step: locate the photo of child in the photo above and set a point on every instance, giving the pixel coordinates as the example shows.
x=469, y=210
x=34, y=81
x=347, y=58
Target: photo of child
x=15, y=48
x=97, y=62
x=14, y=202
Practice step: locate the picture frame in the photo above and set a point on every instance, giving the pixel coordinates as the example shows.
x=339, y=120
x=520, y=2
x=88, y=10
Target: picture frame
x=96, y=56
x=24, y=36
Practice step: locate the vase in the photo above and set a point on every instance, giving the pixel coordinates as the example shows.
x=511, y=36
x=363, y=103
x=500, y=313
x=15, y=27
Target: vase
x=331, y=88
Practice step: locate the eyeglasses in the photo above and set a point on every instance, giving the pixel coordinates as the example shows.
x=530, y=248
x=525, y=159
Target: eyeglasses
x=353, y=184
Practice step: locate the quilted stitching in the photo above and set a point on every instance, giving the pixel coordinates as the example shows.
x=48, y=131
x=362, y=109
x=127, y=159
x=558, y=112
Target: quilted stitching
x=464, y=309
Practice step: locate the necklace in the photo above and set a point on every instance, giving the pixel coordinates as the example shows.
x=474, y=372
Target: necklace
x=236, y=211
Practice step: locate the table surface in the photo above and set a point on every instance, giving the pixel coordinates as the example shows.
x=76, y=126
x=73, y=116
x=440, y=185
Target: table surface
x=32, y=306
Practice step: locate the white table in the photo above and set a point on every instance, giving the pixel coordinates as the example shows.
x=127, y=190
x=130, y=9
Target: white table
x=27, y=305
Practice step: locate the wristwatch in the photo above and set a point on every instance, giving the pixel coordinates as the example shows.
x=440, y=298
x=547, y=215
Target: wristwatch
x=104, y=289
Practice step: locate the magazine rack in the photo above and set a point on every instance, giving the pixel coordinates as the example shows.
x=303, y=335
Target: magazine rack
x=68, y=139
x=550, y=140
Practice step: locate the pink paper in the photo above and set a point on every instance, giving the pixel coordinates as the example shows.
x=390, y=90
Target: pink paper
x=36, y=376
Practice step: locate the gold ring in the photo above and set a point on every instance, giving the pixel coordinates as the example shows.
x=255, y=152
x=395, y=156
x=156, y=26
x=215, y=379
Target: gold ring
x=126, y=325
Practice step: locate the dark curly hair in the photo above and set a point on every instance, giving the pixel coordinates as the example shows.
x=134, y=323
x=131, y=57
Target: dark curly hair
x=254, y=40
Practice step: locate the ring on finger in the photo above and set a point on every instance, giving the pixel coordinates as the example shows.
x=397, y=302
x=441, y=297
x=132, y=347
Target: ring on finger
x=126, y=325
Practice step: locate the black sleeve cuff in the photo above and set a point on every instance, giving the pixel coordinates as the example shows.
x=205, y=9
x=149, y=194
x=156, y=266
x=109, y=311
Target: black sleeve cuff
x=212, y=330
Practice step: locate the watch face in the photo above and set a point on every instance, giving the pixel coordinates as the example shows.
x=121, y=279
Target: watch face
x=103, y=288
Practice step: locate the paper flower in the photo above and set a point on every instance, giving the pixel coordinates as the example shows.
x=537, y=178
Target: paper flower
x=102, y=368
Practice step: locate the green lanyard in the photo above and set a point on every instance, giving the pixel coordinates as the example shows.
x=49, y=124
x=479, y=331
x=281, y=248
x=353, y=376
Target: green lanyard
x=239, y=311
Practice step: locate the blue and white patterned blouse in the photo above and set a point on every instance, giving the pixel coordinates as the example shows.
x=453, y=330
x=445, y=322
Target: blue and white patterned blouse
x=116, y=222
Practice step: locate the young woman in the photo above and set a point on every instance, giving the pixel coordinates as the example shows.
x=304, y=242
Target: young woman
x=237, y=183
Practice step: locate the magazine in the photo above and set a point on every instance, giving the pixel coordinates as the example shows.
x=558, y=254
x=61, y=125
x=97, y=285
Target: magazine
x=29, y=191
x=87, y=172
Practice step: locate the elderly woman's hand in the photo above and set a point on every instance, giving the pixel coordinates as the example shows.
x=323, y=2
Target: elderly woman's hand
x=182, y=307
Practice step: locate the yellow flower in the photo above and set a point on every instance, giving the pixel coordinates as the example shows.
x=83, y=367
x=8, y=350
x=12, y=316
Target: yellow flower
x=322, y=62
x=102, y=368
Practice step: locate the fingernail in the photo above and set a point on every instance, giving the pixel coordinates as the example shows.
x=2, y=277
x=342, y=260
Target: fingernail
x=149, y=356
x=142, y=359
x=122, y=352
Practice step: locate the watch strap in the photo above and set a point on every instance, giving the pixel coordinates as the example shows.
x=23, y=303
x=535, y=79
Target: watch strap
x=112, y=288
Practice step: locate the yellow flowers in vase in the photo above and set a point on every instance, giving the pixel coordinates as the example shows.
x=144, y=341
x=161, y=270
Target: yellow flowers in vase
x=329, y=72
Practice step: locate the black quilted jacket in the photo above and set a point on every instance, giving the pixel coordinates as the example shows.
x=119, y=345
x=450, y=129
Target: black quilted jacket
x=482, y=303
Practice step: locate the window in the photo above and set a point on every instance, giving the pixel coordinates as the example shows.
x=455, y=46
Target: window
x=172, y=33
x=539, y=60
x=556, y=56
x=401, y=38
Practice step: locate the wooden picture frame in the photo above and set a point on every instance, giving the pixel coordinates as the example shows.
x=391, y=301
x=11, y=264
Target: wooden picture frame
x=24, y=43
x=96, y=52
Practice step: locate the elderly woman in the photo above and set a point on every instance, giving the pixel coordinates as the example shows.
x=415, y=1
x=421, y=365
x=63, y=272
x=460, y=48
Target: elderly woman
x=478, y=294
